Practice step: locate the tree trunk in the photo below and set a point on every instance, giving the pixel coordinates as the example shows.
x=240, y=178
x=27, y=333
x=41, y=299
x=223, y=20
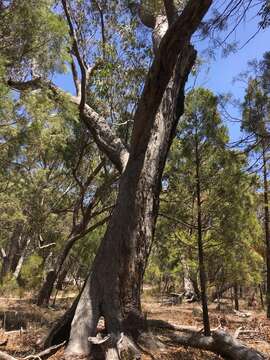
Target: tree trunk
x=114, y=286
x=190, y=293
x=61, y=279
x=44, y=294
x=11, y=257
x=221, y=343
x=261, y=296
x=235, y=292
x=18, y=268
x=202, y=272
x=267, y=231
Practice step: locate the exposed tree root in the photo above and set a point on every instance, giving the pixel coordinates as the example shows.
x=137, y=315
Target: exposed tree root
x=117, y=347
x=121, y=347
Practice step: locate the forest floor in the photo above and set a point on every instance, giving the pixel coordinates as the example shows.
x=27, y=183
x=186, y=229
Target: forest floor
x=36, y=321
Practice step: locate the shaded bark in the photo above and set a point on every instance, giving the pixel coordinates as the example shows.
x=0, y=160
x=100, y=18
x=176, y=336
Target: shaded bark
x=261, y=296
x=44, y=294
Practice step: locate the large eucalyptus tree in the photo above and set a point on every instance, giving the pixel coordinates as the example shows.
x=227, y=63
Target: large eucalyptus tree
x=114, y=283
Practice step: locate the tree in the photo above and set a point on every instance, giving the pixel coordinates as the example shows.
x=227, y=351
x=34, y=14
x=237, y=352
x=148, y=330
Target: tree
x=228, y=210
x=202, y=137
x=113, y=290
x=255, y=123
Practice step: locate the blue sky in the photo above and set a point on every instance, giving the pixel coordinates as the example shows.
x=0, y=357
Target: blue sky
x=218, y=74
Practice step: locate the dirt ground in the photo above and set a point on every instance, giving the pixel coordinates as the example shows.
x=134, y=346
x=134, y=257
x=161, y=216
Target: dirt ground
x=35, y=322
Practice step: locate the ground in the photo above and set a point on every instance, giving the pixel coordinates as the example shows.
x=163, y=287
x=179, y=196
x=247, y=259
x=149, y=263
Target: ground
x=35, y=323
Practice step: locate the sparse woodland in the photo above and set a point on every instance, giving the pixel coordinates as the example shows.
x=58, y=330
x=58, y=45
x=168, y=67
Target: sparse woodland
x=132, y=226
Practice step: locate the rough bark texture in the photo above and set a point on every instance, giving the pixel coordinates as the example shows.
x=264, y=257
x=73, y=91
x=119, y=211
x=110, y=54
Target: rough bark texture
x=44, y=294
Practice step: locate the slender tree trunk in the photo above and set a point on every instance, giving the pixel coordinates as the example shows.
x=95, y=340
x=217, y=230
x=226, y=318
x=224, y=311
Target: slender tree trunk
x=261, y=296
x=18, y=268
x=267, y=231
x=202, y=272
x=61, y=279
x=236, y=301
x=15, y=249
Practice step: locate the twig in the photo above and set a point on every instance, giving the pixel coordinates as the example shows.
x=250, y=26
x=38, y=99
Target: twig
x=45, y=353
x=42, y=355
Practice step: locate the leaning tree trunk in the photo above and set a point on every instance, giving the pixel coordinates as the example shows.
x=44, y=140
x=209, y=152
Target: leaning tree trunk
x=114, y=287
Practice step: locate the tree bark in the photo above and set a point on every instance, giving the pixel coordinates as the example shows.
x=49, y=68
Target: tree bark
x=220, y=343
x=267, y=231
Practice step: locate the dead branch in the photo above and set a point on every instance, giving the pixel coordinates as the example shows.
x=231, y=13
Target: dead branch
x=45, y=354
x=4, y=356
x=220, y=342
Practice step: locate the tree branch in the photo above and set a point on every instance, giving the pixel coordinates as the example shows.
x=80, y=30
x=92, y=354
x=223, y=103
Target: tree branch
x=106, y=139
x=76, y=50
x=174, y=41
x=171, y=11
